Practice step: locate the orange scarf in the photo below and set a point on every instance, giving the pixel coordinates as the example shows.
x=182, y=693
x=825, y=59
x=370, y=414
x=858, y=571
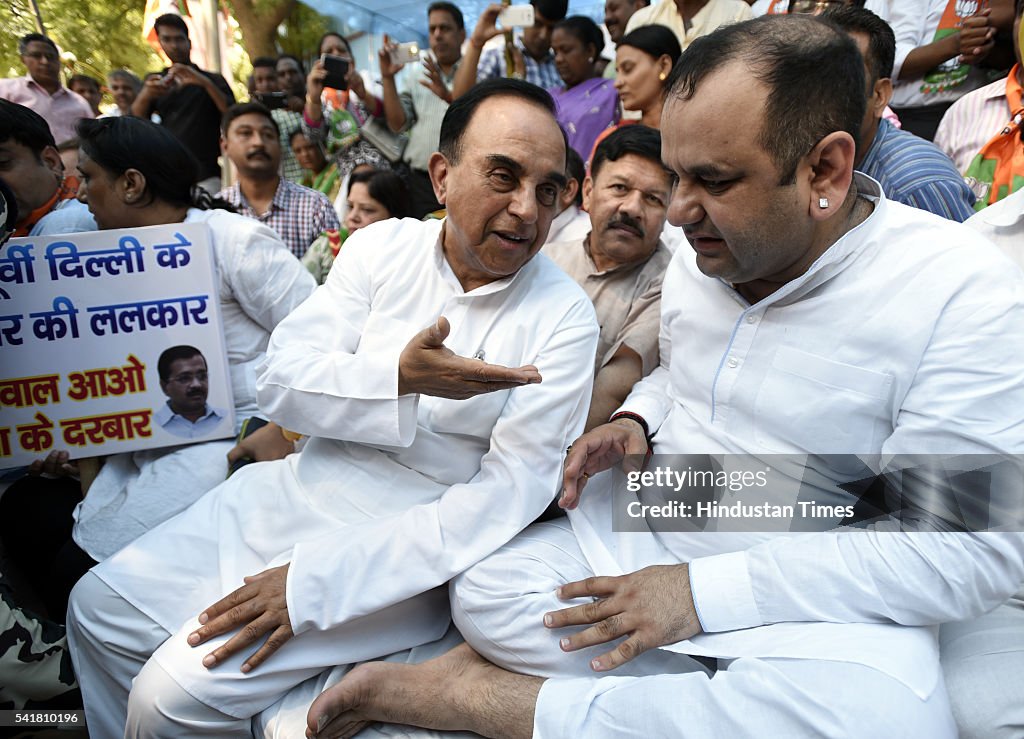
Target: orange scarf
x=998, y=169
x=67, y=190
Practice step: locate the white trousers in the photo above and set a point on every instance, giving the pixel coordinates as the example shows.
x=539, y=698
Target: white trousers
x=499, y=604
x=983, y=661
x=139, y=681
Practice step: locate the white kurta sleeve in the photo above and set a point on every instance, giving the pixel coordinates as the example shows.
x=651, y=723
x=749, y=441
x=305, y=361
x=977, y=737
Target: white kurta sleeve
x=650, y=398
x=345, y=575
x=964, y=400
x=266, y=279
x=313, y=381
x=908, y=19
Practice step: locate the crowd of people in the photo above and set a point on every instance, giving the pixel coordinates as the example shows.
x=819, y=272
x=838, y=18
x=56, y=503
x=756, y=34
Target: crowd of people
x=465, y=296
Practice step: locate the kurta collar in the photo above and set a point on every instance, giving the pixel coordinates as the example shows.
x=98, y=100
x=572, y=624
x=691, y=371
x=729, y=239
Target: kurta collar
x=448, y=274
x=839, y=255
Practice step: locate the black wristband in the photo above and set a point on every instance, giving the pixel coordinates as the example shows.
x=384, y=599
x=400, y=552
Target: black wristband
x=638, y=419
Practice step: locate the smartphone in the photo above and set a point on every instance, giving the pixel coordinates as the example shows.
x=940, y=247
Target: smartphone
x=337, y=68
x=249, y=425
x=271, y=100
x=405, y=53
x=516, y=16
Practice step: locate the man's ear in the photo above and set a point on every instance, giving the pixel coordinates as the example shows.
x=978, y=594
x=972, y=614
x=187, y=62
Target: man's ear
x=588, y=192
x=881, y=96
x=223, y=145
x=831, y=174
x=52, y=161
x=572, y=186
x=438, y=167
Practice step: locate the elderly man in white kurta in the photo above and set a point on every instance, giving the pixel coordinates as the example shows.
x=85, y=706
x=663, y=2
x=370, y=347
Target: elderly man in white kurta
x=430, y=448
x=810, y=316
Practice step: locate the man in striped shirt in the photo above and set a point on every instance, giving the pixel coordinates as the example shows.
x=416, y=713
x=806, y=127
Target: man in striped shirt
x=910, y=169
x=250, y=139
x=533, y=47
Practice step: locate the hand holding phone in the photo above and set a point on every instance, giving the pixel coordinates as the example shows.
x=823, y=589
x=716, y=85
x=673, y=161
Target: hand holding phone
x=516, y=16
x=337, y=71
x=404, y=53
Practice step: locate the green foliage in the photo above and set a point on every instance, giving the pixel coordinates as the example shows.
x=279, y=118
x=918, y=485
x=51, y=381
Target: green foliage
x=299, y=34
x=107, y=34
x=102, y=34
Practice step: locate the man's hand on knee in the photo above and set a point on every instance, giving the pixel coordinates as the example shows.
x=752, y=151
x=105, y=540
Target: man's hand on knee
x=259, y=607
x=652, y=606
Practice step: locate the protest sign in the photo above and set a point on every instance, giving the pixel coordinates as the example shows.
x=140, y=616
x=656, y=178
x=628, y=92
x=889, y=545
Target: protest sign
x=84, y=320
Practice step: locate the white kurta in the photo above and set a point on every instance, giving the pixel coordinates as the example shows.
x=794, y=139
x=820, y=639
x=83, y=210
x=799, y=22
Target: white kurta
x=1003, y=223
x=393, y=495
x=893, y=342
x=259, y=282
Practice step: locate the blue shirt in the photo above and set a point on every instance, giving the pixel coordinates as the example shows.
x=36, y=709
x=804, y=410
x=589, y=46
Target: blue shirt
x=543, y=74
x=917, y=173
x=172, y=423
x=67, y=217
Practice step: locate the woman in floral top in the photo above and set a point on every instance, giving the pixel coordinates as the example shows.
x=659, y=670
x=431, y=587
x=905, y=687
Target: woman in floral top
x=334, y=117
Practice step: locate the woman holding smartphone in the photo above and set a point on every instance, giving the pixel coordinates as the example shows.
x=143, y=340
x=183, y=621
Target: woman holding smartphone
x=334, y=115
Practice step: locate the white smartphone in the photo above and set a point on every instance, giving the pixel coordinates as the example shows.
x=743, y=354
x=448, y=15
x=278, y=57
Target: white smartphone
x=404, y=53
x=516, y=16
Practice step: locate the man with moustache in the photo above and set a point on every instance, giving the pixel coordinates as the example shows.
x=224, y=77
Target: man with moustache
x=780, y=335
x=184, y=378
x=251, y=139
x=620, y=264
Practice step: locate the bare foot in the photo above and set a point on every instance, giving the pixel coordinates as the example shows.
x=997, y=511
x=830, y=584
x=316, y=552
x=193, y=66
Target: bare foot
x=450, y=693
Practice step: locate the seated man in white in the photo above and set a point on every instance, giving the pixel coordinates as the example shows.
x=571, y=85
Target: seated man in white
x=810, y=316
x=430, y=448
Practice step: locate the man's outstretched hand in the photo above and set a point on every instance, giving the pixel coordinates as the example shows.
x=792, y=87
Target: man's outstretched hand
x=428, y=367
x=652, y=607
x=259, y=607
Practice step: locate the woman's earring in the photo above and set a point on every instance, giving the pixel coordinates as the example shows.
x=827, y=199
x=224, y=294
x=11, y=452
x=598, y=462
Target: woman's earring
x=662, y=76
x=823, y=203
